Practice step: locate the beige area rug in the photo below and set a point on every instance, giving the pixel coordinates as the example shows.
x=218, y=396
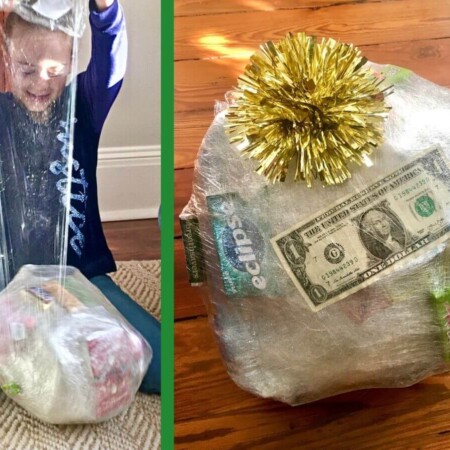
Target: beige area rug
x=138, y=428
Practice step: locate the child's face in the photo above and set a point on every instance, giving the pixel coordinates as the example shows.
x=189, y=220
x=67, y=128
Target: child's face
x=40, y=64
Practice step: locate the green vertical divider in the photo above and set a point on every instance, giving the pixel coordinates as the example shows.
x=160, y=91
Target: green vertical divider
x=167, y=232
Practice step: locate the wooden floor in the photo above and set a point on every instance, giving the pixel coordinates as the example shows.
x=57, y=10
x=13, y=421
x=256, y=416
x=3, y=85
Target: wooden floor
x=213, y=40
x=133, y=239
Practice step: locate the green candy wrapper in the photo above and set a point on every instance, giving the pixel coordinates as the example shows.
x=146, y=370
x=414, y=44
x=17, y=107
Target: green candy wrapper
x=242, y=250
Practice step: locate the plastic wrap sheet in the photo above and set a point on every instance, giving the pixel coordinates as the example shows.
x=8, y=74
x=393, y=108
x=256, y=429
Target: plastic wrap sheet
x=314, y=292
x=63, y=15
x=37, y=117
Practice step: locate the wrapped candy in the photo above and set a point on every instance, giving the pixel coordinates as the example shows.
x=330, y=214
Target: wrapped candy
x=66, y=354
x=318, y=290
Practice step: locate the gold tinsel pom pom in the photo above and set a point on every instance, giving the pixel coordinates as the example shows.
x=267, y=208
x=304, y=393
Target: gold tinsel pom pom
x=310, y=104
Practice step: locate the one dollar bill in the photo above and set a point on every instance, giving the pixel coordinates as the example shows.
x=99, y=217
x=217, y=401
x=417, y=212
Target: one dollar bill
x=366, y=235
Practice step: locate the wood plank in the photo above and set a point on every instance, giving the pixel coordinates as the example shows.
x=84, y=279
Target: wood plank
x=198, y=84
x=362, y=24
x=190, y=127
x=209, y=7
x=133, y=239
x=188, y=299
x=197, y=364
x=212, y=412
x=183, y=189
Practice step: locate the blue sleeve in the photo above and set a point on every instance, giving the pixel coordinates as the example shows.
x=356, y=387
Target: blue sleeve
x=101, y=82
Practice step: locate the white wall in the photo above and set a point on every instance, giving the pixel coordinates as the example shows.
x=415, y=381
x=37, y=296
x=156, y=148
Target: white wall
x=129, y=160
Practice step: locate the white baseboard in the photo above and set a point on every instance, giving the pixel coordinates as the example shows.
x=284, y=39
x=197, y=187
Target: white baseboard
x=129, y=182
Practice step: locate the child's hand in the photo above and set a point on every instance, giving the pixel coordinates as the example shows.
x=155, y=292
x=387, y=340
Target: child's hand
x=103, y=4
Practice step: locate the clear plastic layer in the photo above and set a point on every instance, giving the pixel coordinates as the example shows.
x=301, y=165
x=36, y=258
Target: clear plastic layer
x=38, y=67
x=318, y=291
x=67, y=16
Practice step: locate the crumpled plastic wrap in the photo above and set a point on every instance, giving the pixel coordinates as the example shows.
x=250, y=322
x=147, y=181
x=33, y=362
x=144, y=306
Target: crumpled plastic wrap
x=37, y=120
x=269, y=250
x=63, y=15
x=66, y=354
